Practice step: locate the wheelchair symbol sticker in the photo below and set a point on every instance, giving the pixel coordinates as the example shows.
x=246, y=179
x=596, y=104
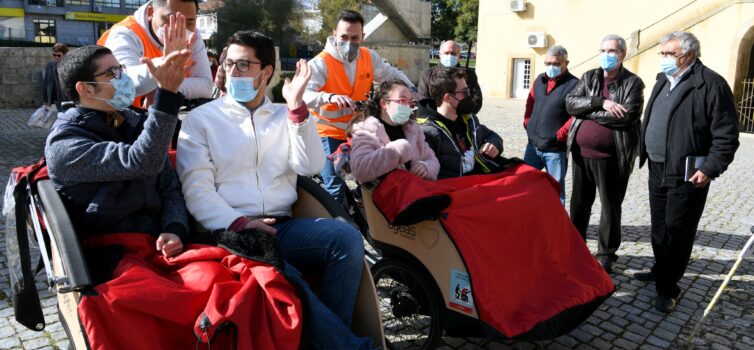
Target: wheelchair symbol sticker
x=461, y=298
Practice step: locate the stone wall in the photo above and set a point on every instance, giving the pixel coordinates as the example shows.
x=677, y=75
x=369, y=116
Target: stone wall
x=21, y=75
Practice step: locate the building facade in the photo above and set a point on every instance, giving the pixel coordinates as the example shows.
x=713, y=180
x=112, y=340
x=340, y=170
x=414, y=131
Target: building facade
x=73, y=22
x=514, y=36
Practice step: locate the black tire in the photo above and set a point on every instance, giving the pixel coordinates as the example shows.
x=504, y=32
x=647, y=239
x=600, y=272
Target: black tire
x=410, y=305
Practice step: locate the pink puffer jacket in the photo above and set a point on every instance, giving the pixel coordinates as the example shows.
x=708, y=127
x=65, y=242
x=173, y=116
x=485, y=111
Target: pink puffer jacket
x=374, y=155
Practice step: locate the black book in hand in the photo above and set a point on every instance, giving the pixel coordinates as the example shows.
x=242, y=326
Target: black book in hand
x=693, y=164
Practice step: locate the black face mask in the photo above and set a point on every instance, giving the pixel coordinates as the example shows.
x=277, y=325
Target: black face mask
x=464, y=106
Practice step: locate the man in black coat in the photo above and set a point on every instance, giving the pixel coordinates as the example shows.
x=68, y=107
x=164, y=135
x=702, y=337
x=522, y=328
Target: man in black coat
x=450, y=52
x=689, y=117
x=607, y=104
x=546, y=119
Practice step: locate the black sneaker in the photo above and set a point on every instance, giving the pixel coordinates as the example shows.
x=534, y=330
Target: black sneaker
x=665, y=304
x=647, y=276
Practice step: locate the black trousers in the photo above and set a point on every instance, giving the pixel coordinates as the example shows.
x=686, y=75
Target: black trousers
x=603, y=175
x=675, y=212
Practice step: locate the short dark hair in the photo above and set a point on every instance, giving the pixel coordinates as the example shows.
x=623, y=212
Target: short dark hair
x=443, y=81
x=163, y=3
x=350, y=16
x=60, y=47
x=263, y=46
x=79, y=65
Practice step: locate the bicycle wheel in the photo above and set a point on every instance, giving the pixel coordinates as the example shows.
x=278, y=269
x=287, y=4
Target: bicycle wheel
x=410, y=306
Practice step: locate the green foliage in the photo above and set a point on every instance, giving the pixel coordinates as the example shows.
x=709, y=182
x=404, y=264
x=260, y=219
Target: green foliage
x=444, y=14
x=278, y=19
x=467, y=21
x=330, y=10
x=454, y=19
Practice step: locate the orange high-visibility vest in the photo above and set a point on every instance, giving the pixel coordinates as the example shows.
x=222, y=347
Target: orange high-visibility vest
x=150, y=49
x=331, y=120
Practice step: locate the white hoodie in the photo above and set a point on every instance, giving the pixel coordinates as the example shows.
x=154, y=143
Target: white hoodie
x=128, y=49
x=315, y=97
x=232, y=163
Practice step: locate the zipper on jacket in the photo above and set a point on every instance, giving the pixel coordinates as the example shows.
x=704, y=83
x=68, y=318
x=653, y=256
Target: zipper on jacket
x=256, y=168
x=446, y=132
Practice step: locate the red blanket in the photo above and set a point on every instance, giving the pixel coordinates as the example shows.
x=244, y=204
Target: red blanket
x=530, y=272
x=157, y=303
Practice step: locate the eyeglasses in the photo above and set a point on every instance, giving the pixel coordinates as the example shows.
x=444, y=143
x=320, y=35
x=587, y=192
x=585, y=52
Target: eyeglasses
x=57, y=55
x=669, y=54
x=116, y=71
x=242, y=65
x=464, y=92
x=556, y=64
x=404, y=101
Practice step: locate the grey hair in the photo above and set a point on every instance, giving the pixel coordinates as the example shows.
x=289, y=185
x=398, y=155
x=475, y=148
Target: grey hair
x=454, y=43
x=618, y=38
x=689, y=43
x=558, y=50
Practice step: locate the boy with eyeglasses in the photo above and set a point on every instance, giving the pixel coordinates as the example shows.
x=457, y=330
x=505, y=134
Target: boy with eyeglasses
x=461, y=143
x=238, y=159
x=109, y=163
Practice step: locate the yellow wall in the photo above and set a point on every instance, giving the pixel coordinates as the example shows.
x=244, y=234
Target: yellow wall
x=579, y=25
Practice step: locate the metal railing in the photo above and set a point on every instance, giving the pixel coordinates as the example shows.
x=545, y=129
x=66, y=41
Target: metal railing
x=746, y=106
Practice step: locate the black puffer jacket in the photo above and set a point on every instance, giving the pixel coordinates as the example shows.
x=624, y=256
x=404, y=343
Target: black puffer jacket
x=703, y=122
x=585, y=102
x=446, y=149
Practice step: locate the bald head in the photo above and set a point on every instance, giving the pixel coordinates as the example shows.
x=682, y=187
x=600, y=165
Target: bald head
x=450, y=48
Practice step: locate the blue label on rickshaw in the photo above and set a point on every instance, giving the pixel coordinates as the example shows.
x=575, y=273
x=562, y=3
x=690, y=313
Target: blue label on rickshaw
x=461, y=298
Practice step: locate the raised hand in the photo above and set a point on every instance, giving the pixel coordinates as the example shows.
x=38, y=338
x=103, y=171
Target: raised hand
x=169, y=71
x=175, y=35
x=293, y=89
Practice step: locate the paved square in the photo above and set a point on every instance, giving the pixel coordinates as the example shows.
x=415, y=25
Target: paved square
x=627, y=320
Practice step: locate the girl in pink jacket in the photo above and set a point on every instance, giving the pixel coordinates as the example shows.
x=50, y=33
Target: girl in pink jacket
x=386, y=137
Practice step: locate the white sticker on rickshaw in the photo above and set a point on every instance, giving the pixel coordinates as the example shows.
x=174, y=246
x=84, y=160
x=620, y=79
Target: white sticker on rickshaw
x=460, y=292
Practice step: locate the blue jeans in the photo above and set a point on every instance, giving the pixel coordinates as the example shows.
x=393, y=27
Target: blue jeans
x=334, y=185
x=325, y=329
x=328, y=245
x=554, y=163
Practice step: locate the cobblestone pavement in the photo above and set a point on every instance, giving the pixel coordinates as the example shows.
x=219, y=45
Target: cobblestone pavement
x=627, y=320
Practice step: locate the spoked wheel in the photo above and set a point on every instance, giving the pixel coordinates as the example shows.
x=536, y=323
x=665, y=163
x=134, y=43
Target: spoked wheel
x=409, y=304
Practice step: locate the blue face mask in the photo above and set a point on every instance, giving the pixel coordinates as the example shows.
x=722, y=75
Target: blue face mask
x=449, y=60
x=668, y=66
x=241, y=88
x=125, y=92
x=401, y=114
x=608, y=61
x=552, y=71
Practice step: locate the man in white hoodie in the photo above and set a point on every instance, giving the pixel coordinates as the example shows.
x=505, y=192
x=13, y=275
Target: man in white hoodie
x=341, y=74
x=143, y=35
x=238, y=160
